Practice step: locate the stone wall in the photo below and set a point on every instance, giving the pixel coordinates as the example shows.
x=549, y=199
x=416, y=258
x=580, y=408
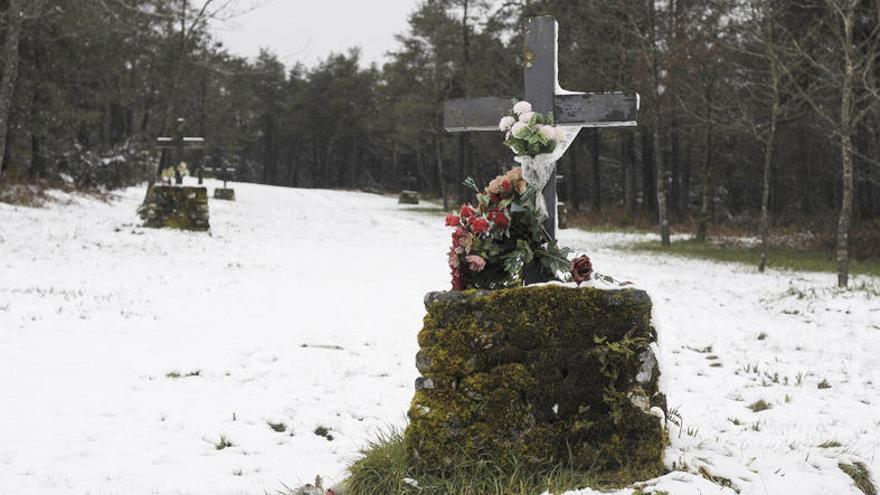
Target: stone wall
x=175, y=207
x=545, y=375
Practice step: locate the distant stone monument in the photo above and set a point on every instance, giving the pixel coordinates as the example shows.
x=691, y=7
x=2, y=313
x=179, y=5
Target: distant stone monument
x=409, y=196
x=225, y=174
x=176, y=206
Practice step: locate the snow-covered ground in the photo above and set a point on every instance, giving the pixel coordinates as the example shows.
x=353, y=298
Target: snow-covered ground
x=127, y=355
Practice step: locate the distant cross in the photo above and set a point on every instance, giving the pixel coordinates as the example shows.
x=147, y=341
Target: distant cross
x=179, y=143
x=543, y=92
x=224, y=173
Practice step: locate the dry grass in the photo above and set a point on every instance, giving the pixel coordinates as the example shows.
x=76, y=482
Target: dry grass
x=35, y=193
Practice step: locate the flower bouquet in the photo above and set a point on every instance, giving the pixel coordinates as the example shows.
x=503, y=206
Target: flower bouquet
x=538, y=145
x=501, y=240
x=169, y=174
x=495, y=239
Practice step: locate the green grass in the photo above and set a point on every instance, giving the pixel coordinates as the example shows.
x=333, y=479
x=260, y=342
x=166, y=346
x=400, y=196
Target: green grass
x=385, y=468
x=780, y=258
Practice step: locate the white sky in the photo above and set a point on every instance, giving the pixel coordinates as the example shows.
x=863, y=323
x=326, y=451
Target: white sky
x=308, y=30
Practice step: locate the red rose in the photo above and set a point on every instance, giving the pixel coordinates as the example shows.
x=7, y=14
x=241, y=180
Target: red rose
x=452, y=220
x=466, y=211
x=479, y=225
x=506, y=186
x=501, y=220
x=581, y=269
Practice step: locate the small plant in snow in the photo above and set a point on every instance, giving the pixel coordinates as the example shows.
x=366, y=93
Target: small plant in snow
x=223, y=444
x=278, y=427
x=760, y=405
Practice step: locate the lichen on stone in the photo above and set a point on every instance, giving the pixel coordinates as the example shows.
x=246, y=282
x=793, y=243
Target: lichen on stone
x=184, y=208
x=546, y=374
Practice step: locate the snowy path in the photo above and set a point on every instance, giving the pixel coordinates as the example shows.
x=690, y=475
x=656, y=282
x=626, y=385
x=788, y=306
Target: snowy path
x=302, y=308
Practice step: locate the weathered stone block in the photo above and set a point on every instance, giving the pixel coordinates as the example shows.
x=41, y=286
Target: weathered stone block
x=224, y=194
x=184, y=208
x=544, y=374
x=408, y=198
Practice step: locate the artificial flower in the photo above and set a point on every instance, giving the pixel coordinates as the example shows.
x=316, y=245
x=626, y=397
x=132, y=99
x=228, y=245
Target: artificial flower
x=519, y=130
x=476, y=263
x=526, y=117
x=506, y=123
x=466, y=211
x=581, y=269
x=522, y=107
x=480, y=225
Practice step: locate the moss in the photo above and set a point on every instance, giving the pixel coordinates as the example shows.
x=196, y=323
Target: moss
x=183, y=208
x=540, y=374
x=224, y=194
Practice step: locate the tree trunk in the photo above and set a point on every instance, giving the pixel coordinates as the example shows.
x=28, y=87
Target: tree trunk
x=649, y=183
x=441, y=176
x=843, y=224
x=662, y=188
x=846, y=146
x=14, y=20
x=769, y=151
x=708, y=196
x=629, y=175
x=596, y=171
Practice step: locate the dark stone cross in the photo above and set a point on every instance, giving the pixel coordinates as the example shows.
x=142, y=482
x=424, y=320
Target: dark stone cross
x=179, y=143
x=543, y=92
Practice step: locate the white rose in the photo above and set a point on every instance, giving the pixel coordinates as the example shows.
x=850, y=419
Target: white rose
x=548, y=132
x=522, y=107
x=506, y=123
x=525, y=118
x=520, y=130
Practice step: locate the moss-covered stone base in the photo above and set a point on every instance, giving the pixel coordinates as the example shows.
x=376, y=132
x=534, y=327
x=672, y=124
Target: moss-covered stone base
x=224, y=194
x=408, y=198
x=184, y=208
x=544, y=375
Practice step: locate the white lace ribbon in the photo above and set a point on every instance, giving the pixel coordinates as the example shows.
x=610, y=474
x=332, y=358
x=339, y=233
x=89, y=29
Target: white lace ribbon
x=537, y=171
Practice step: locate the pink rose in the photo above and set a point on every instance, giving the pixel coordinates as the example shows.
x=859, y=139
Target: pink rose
x=476, y=263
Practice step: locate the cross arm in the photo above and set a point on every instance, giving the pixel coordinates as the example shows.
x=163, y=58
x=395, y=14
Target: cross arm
x=597, y=109
x=170, y=143
x=587, y=110
x=475, y=114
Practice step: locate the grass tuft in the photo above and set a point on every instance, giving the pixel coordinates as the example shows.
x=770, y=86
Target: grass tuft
x=323, y=431
x=824, y=385
x=830, y=444
x=860, y=476
x=223, y=444
x=385, y=468
x=760, y=405
x=277, y=427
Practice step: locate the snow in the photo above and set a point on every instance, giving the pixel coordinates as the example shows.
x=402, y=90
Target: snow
x=302, y=307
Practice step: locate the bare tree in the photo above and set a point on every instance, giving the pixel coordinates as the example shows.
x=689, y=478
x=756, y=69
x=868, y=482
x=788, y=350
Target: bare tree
x=842, y=90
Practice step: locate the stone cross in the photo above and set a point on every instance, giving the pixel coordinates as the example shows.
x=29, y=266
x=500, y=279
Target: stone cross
x=180, y=143
x=543, y=92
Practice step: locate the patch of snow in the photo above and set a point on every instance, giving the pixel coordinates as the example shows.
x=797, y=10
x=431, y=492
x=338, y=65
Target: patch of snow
x=143, y=361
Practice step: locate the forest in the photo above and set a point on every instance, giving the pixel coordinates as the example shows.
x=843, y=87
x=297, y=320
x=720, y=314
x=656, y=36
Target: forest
x=756, y=115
